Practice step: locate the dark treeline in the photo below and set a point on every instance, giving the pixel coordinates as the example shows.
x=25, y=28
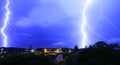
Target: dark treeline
x=100, y=53
x=28, y=60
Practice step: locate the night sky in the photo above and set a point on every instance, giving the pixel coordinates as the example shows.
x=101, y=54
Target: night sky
x=56, y=23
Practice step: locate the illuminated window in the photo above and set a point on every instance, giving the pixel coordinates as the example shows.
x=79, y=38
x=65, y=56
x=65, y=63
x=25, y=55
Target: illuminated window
x=58, y=50
x=69, y=51
x=46, y=51
x=32, y=50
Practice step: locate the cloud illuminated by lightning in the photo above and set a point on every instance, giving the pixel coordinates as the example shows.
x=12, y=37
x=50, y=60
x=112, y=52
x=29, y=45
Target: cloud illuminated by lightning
x=5, y=43
x=84, y=21
x=105, y=18
x=85, y=39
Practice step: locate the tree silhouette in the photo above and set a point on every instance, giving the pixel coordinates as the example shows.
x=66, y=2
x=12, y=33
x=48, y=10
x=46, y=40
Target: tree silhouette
x=76, y=49
x=100, y=53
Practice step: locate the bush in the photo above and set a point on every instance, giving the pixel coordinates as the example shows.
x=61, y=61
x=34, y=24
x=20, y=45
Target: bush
x=28, y=60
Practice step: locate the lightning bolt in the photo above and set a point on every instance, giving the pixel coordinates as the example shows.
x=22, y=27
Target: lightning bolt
x=84, y=22
x=83, y=29
x=5, y=43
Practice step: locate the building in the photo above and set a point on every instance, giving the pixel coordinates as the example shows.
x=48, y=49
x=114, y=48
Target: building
x=52, y=51
x=4, y=52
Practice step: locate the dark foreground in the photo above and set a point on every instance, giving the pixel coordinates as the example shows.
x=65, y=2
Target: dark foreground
x=98, y=54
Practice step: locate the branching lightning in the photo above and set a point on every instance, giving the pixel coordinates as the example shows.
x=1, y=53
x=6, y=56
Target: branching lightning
x=96, y=33
x=106, y=19
x=84, y=29
x=84, y=21
x=5, y=43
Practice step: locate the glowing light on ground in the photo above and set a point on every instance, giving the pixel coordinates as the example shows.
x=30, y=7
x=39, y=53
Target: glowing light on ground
x=5, y=43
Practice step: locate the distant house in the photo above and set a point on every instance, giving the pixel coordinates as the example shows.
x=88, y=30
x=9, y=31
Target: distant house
x=39, y=51
x=53, y=51
x=12, y=51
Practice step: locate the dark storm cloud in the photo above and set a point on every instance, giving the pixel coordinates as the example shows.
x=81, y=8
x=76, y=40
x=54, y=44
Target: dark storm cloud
x=45, y=23
x=56, y=23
